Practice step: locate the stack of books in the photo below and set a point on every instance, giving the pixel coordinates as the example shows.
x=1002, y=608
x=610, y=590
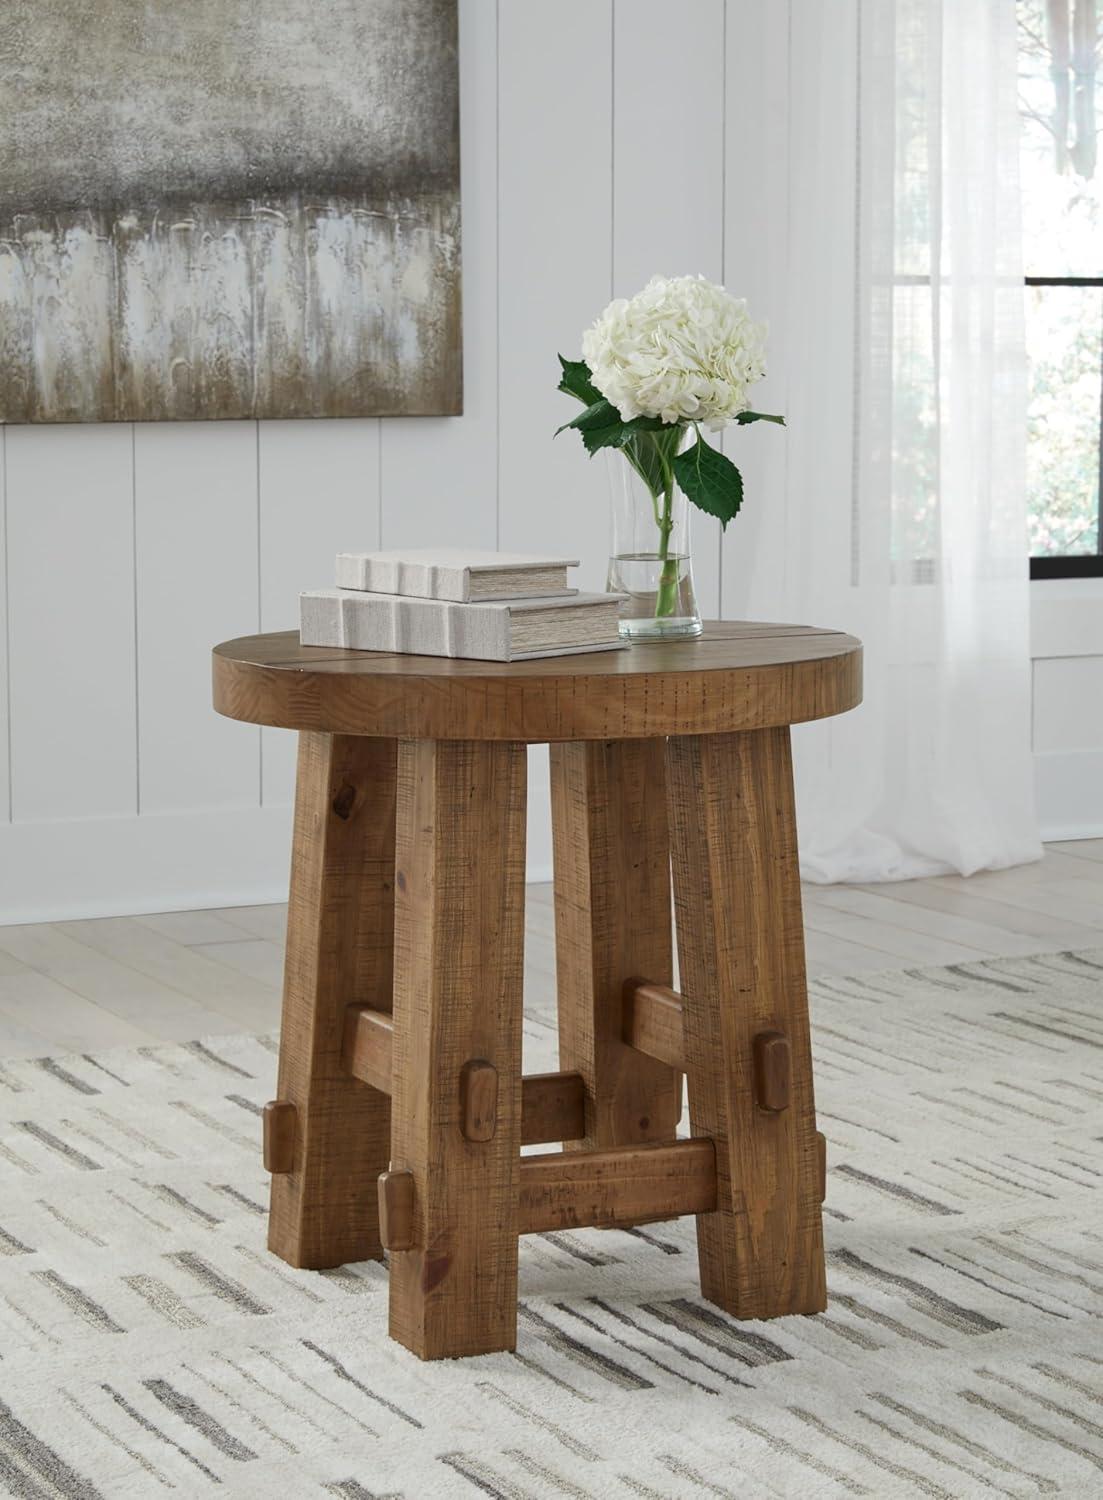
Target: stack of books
x=488, y=606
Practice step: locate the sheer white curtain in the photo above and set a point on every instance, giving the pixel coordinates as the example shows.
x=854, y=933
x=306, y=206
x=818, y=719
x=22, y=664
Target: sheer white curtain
x=906, y=390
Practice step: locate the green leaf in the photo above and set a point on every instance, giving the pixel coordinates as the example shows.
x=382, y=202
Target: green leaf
x=709, y=480
x=578, y=382
x=601, y=414
x=612, y=436
x=641, y=440
x=744, y=417
x=599, y=430
x=642, y=454
x=650, y=450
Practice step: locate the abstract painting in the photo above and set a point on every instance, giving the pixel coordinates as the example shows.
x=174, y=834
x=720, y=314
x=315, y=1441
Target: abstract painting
x=219, y=208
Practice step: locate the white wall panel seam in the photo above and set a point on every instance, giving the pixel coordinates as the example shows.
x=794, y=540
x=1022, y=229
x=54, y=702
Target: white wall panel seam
x=7, y=615
x=498, y=279
x=788, y=280
x=134, y=606
x=260, y=607
x=612, y=152
x=723, y=247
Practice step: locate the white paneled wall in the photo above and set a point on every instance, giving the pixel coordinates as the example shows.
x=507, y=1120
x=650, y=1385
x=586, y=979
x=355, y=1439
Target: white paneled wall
x=72, y=673
x=195, y=537
x=555, y=175
x=602, y=140
x=592, y=155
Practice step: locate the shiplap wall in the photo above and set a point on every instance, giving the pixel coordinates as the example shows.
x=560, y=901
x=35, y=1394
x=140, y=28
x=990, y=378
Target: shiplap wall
x=602, y=140
x=130, y=550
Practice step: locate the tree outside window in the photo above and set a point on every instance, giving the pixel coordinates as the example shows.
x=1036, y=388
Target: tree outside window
x=1060, y=100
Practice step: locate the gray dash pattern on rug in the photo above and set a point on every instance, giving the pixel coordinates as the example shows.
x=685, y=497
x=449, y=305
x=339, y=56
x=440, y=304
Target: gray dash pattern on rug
x=149, y=1343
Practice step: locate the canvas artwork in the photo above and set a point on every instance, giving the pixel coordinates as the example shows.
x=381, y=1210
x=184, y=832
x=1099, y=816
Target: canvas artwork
x=219, y=208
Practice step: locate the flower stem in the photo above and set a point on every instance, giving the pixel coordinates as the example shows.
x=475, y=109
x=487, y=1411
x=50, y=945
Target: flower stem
x=666, y=599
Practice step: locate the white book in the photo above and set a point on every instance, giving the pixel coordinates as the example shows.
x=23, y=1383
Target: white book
x=517, y=630
x=456, y=573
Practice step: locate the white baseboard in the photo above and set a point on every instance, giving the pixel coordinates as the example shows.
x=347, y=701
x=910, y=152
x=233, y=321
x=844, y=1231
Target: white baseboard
x=1070, y=832
x=1069, y=790
x=116, y=867
x=109, y=867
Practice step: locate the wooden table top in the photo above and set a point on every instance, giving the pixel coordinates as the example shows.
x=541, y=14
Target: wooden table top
x=736, y=675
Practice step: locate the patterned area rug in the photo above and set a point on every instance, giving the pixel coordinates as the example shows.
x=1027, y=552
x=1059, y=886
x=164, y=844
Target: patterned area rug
x=149, y=1343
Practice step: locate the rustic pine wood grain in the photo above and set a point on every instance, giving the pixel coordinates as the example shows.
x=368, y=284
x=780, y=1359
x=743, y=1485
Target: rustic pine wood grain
x=396, y=1210
x=772, y=1070
x=572, y=1189
x=279, y=1136
x=612, y=921
x=366, y=1047
x=553, y=1108
x=461, y=1109
x=553, y=1105
x=735, y=676
x=459, y=915
x=479, y=1100
x=653, y=1022
x=339, y=936
x=741, y=951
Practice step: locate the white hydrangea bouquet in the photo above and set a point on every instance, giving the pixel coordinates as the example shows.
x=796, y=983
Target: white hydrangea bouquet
x=658, y=367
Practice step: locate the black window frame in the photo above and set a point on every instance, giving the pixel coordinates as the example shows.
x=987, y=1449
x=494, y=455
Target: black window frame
x=1064, y=46
x=1083, y=564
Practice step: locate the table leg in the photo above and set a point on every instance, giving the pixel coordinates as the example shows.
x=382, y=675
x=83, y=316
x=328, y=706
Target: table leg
x=612, y=923
x=741, y=950
x=459, y=934
x=339, y=937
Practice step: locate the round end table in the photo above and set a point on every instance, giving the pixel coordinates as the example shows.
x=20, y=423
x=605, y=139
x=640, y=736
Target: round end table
x=401, y=1108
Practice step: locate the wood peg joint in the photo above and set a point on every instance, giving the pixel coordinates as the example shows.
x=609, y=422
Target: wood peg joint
x=772, y=1070
x=396, y=1210
x=478, y=1100
x=280, y=1129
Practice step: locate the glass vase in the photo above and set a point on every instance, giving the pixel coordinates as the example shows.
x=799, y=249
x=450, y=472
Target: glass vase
x=649, y=556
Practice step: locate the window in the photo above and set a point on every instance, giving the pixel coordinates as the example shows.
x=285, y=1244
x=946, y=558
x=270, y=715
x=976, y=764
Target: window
x=1061, y=101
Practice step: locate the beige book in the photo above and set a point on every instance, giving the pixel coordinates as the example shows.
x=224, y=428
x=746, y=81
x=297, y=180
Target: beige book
x=515, y=630
x=457, y=573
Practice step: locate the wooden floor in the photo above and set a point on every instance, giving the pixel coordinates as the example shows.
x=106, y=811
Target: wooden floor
x=129, y=981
